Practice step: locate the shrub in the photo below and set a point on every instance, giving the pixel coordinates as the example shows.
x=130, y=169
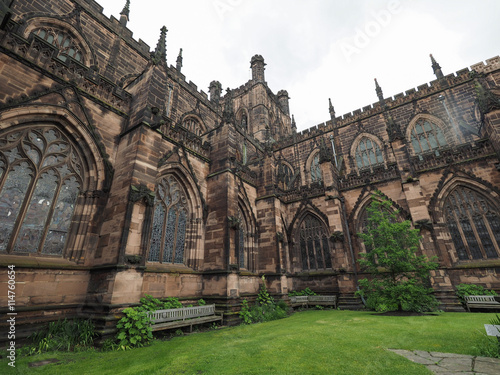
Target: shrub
x=304, y=292
x=472, y=290
x=265, y=308
x=490, y=346
x=63, y=335
x=134, y=329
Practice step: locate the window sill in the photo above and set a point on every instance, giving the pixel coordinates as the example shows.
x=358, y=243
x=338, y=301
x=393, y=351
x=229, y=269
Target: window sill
x=39, y=261
x=168, y=268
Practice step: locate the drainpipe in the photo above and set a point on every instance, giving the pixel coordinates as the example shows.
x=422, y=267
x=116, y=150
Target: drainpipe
x=333, y=148
x=342, y=201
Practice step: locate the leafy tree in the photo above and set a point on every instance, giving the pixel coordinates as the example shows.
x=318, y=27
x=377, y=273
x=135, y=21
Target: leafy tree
x=400, y=277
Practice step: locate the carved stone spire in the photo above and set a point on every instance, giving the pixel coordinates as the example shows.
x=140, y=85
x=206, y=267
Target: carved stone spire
x=294, y=125
x=332, y=110
x=179, y=61
x=437, y=69
x=160, y=53
x=378, y=90
x=124, y=15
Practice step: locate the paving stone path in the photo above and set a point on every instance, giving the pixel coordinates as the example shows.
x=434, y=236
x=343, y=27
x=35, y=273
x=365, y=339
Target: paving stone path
x=451, y=364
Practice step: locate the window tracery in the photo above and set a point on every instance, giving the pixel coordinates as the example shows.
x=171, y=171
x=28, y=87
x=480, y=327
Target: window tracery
x=170, y=222
x=474, y=224
x=285, y=176
x=426, y=136
x=192, y=125
x=63, y=41
x=368, y=153
x=314, y=245
x=41, y=176
x=316, y=175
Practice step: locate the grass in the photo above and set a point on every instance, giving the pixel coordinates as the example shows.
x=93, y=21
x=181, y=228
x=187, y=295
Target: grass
x=310, y=342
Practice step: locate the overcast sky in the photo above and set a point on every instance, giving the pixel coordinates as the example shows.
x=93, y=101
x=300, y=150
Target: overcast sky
x=319, y=49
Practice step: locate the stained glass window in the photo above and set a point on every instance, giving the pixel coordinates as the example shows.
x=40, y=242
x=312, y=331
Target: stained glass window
x=474, y=224
x=170, y=222
x=368, y=153
x=314, y=246
x=242, y=239
x=63, y=41
x=426, y=136
x=316, y=169
x=40, y=180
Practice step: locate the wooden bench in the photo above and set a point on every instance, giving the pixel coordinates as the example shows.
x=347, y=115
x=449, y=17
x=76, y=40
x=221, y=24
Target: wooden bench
x=183, y=317
x=307, y=301
x=481, y=302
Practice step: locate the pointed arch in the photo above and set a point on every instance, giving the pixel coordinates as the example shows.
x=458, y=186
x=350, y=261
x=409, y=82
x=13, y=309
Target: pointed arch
x=427, y=133
x=52, y=176
x=246, y=236
x=176, y=234
x=367, y=151
x=242, y=119
x=193, y=124
x=313, y=167
x=65, y=37
x=311, y=243
x=468, y=214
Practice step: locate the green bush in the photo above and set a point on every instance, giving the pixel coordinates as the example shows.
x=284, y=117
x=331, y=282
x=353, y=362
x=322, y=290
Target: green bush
x=265, y=308
x=490, y=346
x=63, y=335
x=305, y=292
x=472, y=290
x=134, y=329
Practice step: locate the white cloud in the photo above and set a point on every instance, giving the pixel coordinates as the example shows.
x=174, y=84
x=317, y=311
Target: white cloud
x=302, y=44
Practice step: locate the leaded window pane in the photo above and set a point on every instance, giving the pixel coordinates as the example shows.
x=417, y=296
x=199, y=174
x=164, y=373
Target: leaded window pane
x=170, y=235
x=156, y=235
x=181, y=236
x=11, y=199
x=319, y=255
x=40, y=163
x=426, y=136
x=61, y=218
x=316, y=169
x=28, y=239
x=473, y=223
x=368, y=153
x=314, y=247
x=170, y=223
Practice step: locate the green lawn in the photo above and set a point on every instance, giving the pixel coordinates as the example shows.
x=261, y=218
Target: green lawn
x=310, y=342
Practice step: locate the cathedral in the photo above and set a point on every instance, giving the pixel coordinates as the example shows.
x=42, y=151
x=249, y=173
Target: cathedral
x=118, y=178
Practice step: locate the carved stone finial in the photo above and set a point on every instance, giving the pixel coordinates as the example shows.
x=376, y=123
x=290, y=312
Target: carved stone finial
x=332, y=110
x=378, y=90
x=160, y=53
x=124, y=15
x=437, y=69
x=179, y=61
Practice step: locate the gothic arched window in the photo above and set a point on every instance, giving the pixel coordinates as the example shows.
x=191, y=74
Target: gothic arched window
x=426, y=136
x=368, y=153
x=316, y=169
x=285, y=176
x=170, y=222
x=474, y=224
x=63, y=41
x=41, y=175
x=193, y=126
x=314, y=246
x=243, y=233
x=244, y=121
